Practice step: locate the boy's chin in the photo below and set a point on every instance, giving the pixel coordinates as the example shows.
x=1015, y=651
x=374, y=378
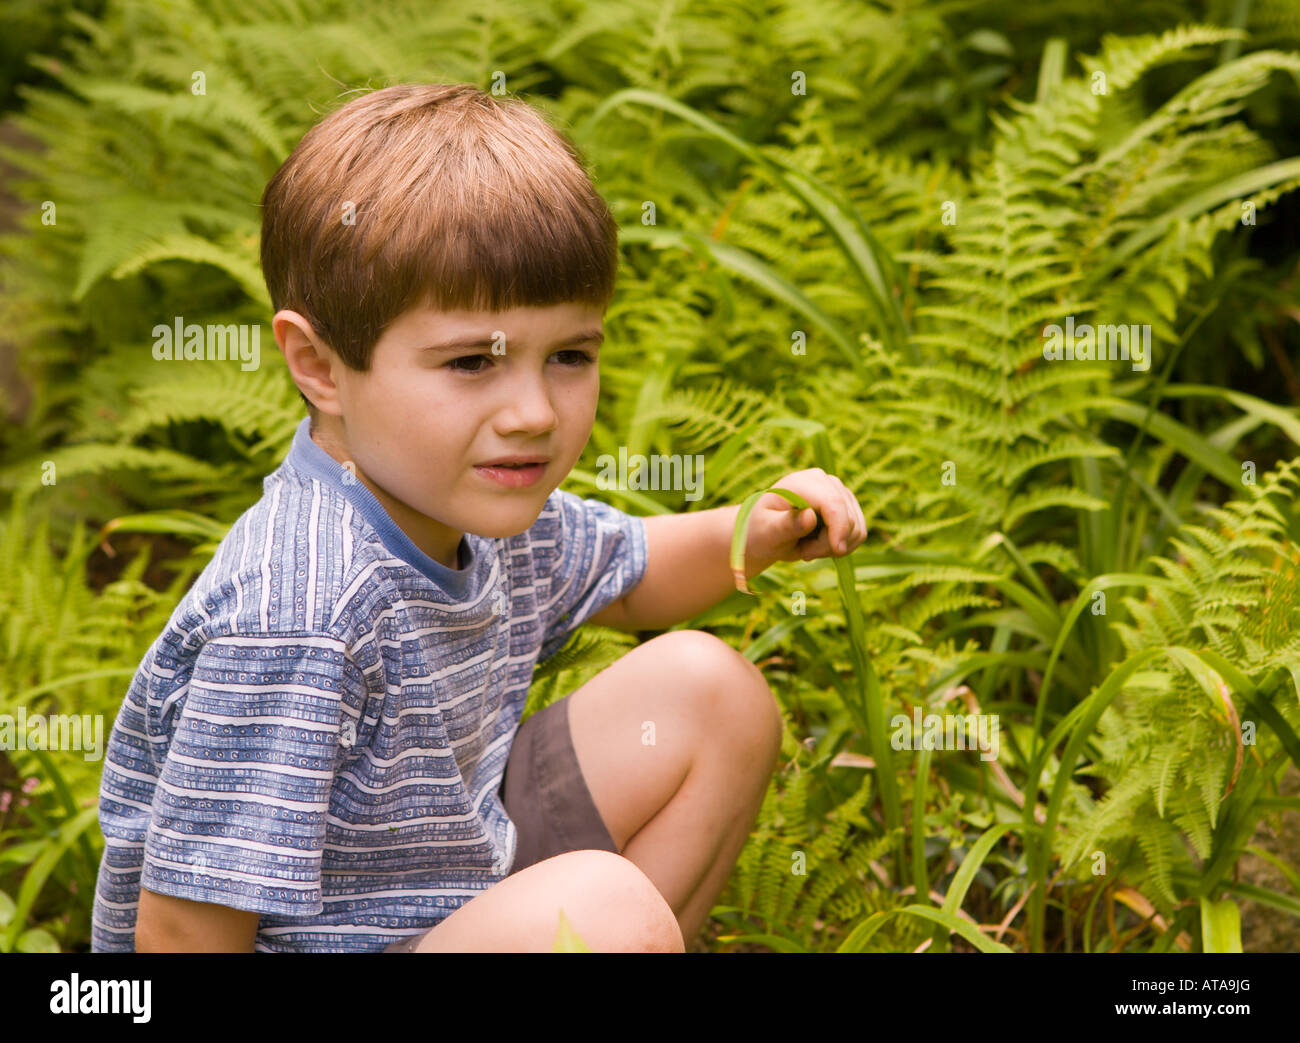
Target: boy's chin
x=504, y=524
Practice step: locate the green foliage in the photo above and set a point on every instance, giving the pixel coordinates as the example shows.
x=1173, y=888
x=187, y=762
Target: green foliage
x=583, y=656
x=1168, y=753
x=888, y=277
x=67, y=650
x=806, y=872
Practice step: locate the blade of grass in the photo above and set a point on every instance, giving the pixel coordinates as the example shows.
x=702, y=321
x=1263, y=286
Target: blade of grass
x=1239, y=187
x=920, y=878
x=965, y=876
x=863, y=932
x=1051, y=70
x=1177, y=436
x=772, y=941
x=1220, y=926
x=1262, y=895
x=868, y=703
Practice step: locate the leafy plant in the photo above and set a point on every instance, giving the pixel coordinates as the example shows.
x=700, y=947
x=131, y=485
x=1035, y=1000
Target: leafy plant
x=1075, y=547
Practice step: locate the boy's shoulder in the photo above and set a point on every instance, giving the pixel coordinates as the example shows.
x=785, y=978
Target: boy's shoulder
x=300, y=560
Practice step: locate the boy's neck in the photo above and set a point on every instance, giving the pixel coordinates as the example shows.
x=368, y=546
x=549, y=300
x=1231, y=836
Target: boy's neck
x=441, y=544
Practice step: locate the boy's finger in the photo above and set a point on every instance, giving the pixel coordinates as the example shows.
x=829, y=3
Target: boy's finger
x=810, y=523
x=805, y=521
x=817, y=547
x=844, y=539
x=831, y=510
x=857, y=518
x=839, y=521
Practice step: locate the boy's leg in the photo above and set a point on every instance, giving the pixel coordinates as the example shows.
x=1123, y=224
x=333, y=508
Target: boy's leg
x=677, y=742
x=607, y=900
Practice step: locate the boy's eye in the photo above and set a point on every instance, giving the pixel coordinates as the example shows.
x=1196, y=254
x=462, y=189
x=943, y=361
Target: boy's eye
x=456, y=363
x=573, y=357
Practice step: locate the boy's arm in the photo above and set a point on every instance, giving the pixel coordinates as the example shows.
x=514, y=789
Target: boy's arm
x=167, y=924
x=688, y=567
x=261, y=726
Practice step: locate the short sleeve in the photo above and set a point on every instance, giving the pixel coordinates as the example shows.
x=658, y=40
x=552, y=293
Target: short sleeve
x=594, y=555
x=240, y=808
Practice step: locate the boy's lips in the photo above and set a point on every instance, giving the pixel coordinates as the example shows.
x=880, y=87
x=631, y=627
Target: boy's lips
x=513, y=472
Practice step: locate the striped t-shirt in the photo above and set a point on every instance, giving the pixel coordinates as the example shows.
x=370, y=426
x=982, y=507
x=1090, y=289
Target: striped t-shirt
x=319, y=732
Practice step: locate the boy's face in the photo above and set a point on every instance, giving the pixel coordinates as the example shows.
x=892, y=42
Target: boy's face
x=451, y=393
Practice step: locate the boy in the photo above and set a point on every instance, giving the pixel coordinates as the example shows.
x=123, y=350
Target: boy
x=322, y=751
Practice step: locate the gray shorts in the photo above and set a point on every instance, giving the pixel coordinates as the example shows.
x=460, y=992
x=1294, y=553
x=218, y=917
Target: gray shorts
x=545, y=796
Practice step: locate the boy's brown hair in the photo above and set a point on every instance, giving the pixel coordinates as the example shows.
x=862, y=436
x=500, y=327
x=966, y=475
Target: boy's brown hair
x=438, y=195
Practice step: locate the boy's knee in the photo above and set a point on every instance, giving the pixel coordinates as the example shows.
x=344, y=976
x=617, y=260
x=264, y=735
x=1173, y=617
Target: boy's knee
x=738, y=693
x=699, y=656
x=633, y=915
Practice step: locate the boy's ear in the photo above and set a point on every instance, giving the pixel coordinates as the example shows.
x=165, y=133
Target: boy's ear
x=310, y=360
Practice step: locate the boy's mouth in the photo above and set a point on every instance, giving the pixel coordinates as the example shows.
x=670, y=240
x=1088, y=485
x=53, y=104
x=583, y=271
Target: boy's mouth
x=513, y=472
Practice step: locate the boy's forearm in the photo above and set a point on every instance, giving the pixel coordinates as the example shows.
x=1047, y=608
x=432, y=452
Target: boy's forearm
x=688, y=567
x=688, y=570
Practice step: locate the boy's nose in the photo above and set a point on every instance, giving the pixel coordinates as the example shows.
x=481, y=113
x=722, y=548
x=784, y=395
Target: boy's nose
x=528, y=409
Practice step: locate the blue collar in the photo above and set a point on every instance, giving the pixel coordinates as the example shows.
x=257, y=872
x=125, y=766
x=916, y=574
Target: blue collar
x=309, y=459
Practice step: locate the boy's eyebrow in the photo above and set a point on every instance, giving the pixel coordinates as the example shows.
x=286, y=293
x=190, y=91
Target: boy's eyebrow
x=594, y=336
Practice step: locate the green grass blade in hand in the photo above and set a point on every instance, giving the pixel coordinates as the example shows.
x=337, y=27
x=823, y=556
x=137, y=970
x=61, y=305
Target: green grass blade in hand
x=740, y=534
